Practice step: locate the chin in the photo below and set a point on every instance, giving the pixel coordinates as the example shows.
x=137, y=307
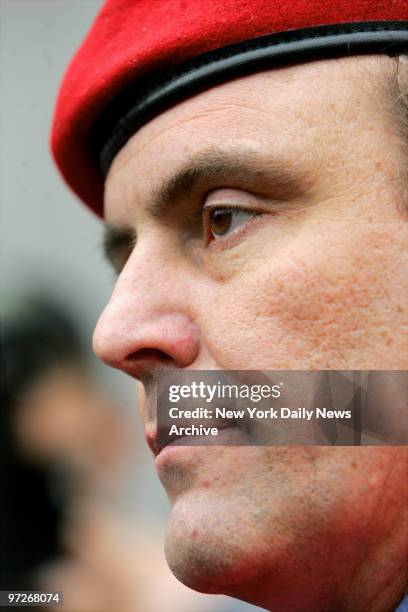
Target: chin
x=196, y=565
x=205, y=549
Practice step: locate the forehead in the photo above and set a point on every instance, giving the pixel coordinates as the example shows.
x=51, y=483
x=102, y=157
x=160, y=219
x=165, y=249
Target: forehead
x=288, y=111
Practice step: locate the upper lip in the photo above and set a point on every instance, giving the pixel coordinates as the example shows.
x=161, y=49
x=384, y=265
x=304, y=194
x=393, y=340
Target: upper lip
x=156, y=432
x=152, y=442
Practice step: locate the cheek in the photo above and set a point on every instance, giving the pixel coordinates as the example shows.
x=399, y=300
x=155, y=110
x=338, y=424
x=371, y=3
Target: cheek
x=326, y=301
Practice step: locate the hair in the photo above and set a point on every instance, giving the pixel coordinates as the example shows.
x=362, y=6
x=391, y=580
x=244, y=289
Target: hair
x=34, y=339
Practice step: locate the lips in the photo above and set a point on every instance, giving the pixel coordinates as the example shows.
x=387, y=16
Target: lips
x=157, y=428
x=156, y=409
x=152, y=438
x=157, y=434
x=152, y=443
x=157, y=443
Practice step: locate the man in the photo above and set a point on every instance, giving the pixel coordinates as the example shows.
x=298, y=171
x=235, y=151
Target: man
x=256, y=208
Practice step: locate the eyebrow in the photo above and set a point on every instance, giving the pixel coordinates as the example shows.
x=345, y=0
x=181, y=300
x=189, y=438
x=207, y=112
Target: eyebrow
x=235, y=167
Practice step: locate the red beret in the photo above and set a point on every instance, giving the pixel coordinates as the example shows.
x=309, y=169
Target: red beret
x=143, y=56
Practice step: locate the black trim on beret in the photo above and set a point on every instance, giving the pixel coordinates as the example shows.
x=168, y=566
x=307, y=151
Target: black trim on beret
x=146, y=98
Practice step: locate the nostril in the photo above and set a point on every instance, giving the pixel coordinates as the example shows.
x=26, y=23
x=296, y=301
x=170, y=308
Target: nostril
x=149, y=354
x=142, y=363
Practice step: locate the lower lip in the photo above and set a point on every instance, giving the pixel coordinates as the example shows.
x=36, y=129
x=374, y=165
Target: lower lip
x=227, y=436
x=173, y=451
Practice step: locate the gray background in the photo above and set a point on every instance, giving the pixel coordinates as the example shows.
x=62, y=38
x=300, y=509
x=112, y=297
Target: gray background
x=49, y=240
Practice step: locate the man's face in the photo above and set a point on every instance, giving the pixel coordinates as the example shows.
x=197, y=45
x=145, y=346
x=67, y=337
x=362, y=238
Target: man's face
x=258, y=225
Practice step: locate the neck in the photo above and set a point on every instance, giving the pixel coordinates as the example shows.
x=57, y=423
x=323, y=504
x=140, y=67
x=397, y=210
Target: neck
x=376, y=582
x=384, y=590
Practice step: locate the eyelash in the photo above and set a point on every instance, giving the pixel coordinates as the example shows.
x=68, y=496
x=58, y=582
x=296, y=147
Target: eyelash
x=204, y=216
x=200, y=217
x=118, y=256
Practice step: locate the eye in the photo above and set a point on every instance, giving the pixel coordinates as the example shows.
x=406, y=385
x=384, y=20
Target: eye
x=222, y=221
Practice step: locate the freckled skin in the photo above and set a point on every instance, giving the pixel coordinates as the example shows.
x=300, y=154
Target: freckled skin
x=322, y=284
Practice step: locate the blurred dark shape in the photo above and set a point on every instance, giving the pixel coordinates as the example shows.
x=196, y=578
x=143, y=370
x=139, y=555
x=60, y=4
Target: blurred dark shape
x=33, y=343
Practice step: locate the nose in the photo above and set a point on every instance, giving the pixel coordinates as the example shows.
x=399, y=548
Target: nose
x=147, y=322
